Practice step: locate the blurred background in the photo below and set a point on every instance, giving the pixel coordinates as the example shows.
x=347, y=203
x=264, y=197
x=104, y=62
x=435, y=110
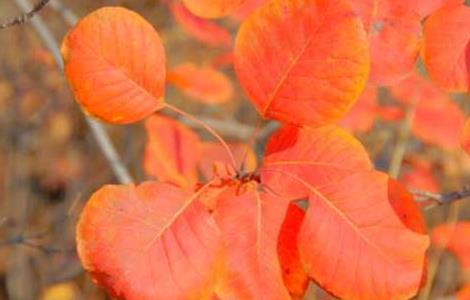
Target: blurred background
x=50, y=162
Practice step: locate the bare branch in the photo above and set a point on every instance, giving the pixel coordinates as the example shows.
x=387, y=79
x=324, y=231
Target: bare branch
x=103, y=140
x=26, y=16
x=431, y=200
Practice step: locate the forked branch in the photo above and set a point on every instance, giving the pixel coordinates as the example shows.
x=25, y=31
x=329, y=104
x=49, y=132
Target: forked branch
x=26, y=16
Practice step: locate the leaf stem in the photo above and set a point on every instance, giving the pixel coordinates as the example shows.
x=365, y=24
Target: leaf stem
x=208, y=128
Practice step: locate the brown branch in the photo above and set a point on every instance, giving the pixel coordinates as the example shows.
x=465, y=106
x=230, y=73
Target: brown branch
x=26, y=16
x=431, y=200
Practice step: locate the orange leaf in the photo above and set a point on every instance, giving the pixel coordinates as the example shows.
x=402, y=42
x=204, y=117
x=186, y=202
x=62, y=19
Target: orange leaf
x=250, y=222
x=153, y=241
x=394, y=34
x=295, y=278
x=464, y=292
x=212, y=8
x=426, y=7
x=439, y=121
x=115, y=63
x=302, y=61
x=203, y=30
x=213, y=152
x=171, y=152
x=414, y=89
x=465, y=136
x=361, y=117
x=356, y=246
x=315, y=155
x=246, y=9
x=204, y=84
x=456, y=239
x=446, y=49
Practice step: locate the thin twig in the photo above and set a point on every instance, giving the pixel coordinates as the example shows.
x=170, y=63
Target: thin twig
x=102, y=138
x=26, y=16
x=435, y=199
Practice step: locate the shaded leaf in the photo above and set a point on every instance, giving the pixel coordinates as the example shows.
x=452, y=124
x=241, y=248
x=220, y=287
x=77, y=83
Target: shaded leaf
x=456, y=239
x=153, y=241
x=465, y=136
x=246, y=9
x=115, y=63
x=172, y=151
x=302, y=62
x=293, y=273
x=362, y=115
x=250, y=222
x=204, y=84
x=212, y=8
x=203, y=30
x=446, y=49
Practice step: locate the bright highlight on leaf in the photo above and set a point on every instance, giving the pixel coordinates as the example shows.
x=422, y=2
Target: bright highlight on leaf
x=153, y=241
x=115, y=64
x=204, y=84
x=446, y=49
x=172, y=152
x=302, y=62
x=212, y=8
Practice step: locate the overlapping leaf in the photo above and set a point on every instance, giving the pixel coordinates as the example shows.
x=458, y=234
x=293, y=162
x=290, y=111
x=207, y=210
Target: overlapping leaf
x=204, y=84
x=465, y=136
x=149, y=242
x=362, y=115
x=212, y=8
x=456, y=239
x=446, y=49
x=250, y=222
x=352, y=213
x=203, y=30
x=394, y=32
x=172, y=151
x=304, y=61
x=115, y=63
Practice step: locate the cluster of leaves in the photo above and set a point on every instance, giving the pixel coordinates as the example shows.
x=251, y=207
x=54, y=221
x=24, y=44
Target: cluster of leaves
x=242, y=234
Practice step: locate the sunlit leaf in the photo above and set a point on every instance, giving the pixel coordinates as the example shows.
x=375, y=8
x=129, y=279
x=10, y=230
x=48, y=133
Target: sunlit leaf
x=204, y=84
x=315, y=155
x=172, y=151
x=345, y=241
x=303, y=62
x=446, y=49
x=250, y=222
x=115, y=63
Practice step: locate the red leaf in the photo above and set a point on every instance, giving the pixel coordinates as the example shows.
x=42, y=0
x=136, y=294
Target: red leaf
x=203, y=30
x=419, y=177
x=456, y=239
x=446, y=49
x=394, y=34
x=250, y=222
x=354, y=244
x=362, y=116
x=246, y=9
x=115, y=63
x=426, y=7
x=465, y=136
x=172, y=151
x=295, y=278
x=212, y=8
x=302, y=62
x=153, y=241
x=204, y=84
x=315, y=155
x=414, y=89
x=213, y=152
x=439, y=121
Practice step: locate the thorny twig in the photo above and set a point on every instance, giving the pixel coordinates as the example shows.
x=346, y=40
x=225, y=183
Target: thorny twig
x=26, y=16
